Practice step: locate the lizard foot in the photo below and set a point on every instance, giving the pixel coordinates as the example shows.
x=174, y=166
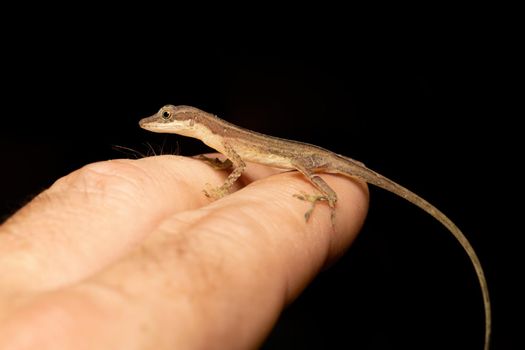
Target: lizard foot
x=214, y=192
x=312, y=198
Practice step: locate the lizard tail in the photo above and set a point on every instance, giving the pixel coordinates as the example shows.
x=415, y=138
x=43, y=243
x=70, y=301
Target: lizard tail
x=357, y=169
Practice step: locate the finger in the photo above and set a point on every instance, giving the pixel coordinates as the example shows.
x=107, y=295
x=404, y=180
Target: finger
x=217, y=278
x=95, y=215
x=272, y=220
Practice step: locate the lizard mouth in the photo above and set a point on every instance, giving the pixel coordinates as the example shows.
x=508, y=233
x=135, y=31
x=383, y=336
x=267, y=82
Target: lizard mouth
x=152, y=123
x=146, y=122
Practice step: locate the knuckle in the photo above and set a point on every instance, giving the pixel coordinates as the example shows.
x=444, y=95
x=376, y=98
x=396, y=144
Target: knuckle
x=116, y=177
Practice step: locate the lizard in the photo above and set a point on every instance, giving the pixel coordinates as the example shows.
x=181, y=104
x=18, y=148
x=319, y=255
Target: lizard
x=241, y=145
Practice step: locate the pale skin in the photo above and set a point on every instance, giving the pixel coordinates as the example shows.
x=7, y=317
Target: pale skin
x=129, y=254
x=240, y=145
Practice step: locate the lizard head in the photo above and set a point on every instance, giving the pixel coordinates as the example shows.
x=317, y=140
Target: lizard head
x=172, y=119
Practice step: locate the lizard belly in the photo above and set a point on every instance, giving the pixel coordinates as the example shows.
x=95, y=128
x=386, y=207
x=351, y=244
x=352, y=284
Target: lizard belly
x=270, y=159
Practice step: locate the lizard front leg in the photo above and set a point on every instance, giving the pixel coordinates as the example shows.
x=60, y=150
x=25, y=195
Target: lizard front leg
x=235, y=161
x=215, y=163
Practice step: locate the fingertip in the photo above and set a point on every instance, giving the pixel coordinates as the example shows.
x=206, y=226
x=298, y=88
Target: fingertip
x=269, y=210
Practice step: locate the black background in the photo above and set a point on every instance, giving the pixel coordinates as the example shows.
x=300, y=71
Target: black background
x=428, y=112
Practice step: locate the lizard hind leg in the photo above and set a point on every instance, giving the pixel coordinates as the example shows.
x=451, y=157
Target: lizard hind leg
x=327, y=193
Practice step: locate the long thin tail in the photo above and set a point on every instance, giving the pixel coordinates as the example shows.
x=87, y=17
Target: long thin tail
x=359, y=170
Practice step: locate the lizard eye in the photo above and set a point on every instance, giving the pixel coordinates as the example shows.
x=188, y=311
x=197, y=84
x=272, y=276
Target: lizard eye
x=166, y=115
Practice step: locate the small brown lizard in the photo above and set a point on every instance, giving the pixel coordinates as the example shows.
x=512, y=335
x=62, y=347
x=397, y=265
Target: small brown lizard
x=240, y=145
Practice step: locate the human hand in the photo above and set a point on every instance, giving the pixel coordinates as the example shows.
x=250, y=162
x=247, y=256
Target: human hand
x=130, y=254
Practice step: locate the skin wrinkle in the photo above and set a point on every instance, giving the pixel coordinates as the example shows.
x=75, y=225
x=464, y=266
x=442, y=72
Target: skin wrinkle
x=255, y=222
x=205, y=275
x=91, y=175
x=288, y=293
x=265, y=217
x=196, y=233
x=127, y=178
